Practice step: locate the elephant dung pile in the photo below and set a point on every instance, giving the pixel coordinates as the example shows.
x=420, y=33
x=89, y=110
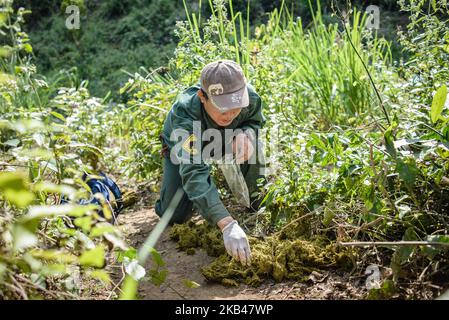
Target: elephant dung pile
x=271, y=257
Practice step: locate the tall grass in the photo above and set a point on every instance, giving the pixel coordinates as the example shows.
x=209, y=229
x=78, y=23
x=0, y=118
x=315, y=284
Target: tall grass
x=21, y=87
x=231, y=28
x=327, y=79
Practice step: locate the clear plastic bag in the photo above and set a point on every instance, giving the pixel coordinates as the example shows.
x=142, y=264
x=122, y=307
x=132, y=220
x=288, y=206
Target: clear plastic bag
x=236, y=181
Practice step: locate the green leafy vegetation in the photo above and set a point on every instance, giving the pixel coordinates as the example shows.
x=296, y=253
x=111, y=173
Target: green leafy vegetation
x=119, y=38
x=359, y=176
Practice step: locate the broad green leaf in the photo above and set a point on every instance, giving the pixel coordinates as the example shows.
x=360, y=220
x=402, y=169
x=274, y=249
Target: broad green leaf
x=389, y=142
x=39, y=138
x=68, y=231
x=4, y=77
x=372, y=204
x=130, y=254
x=438, y=238
x=101, y=275
x=403, y=253
x=36, y=153
x=66, y=209
x=438, y=103
x=54, y=269
x=38, y=279
x=57, y=115
x=2, y=271
x=386, y=291
x=12, y=143
x=3, y=18
x=54, y=255
x=23, y=126
x=316, y=141
x=4, y=124
x=49, y=187
x=23, y=238
x=20, y=198
x=5, y=51
x=84, y=223
x=157, y=257
x=328, y=216
x=34, y=263
x=51, y=164
x=191, y=284
x=129, y=289
x=158, y=277
x=407, y=171
x=28, y=48
x=106, y=210
x=432, y=251
x=83, y=146
x=93, y=258
x=100, y=230
x=14, y=181
x=445, y=132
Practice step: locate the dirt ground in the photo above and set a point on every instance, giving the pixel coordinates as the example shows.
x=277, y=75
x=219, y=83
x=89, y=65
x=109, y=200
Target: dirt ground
x=136, y=224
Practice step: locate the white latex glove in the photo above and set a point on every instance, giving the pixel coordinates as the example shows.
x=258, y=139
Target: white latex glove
x=243, y=148
x=236, y=243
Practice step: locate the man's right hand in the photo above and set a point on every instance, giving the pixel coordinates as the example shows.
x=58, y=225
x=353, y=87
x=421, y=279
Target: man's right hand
x=242, y=148
x=236, y=242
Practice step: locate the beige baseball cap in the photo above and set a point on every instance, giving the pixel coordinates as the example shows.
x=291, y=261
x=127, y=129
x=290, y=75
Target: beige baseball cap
x=225, y=84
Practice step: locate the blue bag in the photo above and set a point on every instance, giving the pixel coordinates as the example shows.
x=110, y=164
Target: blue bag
x=103, y=186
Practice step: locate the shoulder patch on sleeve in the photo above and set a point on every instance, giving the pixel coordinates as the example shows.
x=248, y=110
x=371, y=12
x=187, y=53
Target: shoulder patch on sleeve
x=189, y=144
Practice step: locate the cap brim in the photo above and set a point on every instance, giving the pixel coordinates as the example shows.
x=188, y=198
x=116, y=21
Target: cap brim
x=235, y=100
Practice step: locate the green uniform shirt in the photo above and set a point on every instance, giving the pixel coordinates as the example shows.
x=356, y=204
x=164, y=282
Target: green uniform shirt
x=195, y=177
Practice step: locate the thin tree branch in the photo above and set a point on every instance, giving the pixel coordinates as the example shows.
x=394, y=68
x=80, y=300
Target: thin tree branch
x=392, y=243
x=340, y=16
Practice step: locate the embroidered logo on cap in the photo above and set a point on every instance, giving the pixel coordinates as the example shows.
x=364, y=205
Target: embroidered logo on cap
x=216, y=89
